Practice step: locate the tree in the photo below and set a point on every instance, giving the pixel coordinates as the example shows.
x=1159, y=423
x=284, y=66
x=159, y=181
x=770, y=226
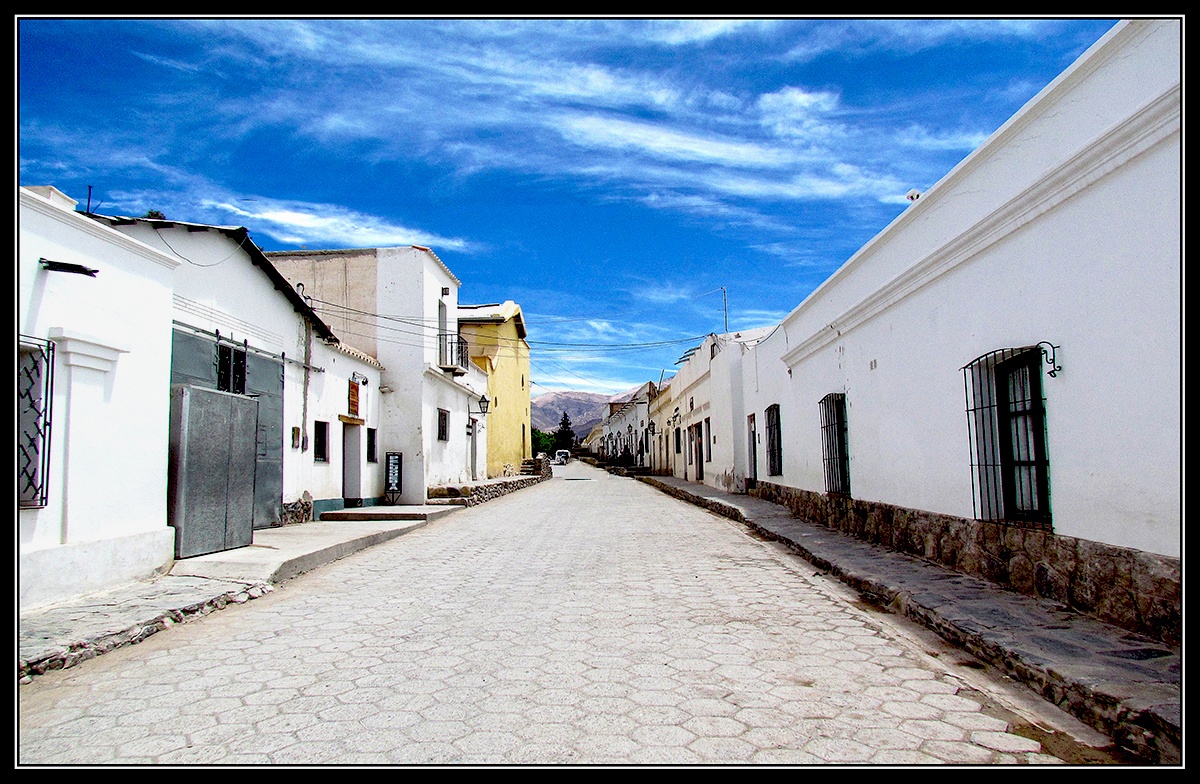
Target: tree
x=542, y=442
x=564, y=437
x=155, y=215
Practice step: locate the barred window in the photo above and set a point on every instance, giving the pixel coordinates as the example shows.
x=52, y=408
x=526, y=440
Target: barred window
x=35, y=391
x=834, y=442
x=443, y=425
x=774, y=442
x=1006, y=421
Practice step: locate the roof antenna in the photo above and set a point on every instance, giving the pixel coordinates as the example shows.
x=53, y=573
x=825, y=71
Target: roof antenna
x=89, y=209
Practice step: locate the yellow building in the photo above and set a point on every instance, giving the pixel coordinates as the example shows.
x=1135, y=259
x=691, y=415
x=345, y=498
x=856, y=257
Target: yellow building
x=495, y=336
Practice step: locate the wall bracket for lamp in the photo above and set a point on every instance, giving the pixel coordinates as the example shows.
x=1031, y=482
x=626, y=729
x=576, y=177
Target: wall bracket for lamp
x=63, y=266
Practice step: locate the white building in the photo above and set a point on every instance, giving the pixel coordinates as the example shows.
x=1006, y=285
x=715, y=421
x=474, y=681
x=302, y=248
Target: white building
x=993, y=381
x=401, y=306
x=626, y=430
x=238, y=327
x=92, y=381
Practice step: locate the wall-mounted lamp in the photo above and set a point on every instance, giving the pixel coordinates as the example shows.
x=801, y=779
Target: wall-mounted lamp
x=359, y=378
x=483, y=404
x=385, y=389
x=651, y=427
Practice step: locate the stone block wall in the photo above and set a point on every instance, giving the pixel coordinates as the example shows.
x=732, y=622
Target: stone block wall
x=481, y=492
x=1136, y=590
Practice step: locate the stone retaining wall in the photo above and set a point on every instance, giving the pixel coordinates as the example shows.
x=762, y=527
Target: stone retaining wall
x=481, y=492
x=1136, y=590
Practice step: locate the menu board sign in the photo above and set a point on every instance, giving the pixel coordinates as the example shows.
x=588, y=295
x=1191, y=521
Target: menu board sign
x=392, y=477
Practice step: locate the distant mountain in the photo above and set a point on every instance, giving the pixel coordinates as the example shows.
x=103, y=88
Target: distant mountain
x=585, y=409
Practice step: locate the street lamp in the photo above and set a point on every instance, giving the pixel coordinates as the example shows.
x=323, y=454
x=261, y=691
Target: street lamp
x=483, y=404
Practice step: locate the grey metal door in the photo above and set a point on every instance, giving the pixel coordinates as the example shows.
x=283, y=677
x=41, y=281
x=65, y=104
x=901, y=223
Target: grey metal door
x=211, y=467
x=198, y=360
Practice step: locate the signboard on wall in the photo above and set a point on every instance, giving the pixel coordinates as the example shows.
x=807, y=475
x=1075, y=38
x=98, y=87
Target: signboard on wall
x=393, y=479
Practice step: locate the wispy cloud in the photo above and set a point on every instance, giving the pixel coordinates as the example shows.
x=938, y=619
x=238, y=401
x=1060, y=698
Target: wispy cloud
x=671, y=144
x=304, y=224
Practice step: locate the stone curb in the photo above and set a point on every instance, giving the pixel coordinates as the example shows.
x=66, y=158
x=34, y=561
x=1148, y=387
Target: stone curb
x=65, y=656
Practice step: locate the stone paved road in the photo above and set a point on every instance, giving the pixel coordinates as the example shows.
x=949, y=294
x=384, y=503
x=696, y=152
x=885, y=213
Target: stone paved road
x=587, y=620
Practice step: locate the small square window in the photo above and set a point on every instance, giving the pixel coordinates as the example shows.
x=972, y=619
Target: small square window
x=443, y=425
x=321, y=442
x=231, y=369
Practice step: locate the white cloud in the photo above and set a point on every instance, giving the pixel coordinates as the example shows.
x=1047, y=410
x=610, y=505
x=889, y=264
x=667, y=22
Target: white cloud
x=664, y=142
x=921, y=138
x=797, y=113
x=295, y=222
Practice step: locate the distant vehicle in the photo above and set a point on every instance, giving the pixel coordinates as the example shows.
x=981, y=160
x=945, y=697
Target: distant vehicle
x=562, y=457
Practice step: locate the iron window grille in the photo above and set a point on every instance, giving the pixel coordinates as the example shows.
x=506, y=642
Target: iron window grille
x=443, y=425
x=35, y=392
x=1006, y=422
x=834, y=442
x=321, y=442
x=774, y=442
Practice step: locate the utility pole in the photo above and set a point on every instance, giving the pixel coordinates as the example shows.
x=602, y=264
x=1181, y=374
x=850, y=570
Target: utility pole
x=725, y=305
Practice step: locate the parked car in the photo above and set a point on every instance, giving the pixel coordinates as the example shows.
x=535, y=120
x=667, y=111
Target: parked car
x=562, y=457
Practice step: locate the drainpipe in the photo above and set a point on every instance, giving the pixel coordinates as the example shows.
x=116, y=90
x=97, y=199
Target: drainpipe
x=307, y=374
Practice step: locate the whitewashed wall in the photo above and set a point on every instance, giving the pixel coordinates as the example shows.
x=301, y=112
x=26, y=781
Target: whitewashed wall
x=1063, y=227
x=105, y=519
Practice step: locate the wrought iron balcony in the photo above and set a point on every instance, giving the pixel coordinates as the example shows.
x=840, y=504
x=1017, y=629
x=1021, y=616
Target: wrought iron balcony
x=452, y=353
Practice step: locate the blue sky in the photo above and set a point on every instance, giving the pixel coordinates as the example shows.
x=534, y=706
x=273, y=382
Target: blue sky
x=609, y=175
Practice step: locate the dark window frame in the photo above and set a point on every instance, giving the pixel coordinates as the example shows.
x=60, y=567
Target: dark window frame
x=372, y=445
x=1007, y=427
x=774, y=441
x=35, y=398
x=835, y=443
x=443, y=425
x=231, y=368
x=320, y=441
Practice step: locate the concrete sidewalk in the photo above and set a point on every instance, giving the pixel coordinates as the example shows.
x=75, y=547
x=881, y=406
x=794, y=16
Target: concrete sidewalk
x=66, y=633
x=1123, y=684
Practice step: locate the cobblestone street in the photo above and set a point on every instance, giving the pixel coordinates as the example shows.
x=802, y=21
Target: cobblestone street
x=586, y=620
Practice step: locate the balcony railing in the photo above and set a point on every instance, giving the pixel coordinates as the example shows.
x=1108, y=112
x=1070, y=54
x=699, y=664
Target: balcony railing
x=452, y=353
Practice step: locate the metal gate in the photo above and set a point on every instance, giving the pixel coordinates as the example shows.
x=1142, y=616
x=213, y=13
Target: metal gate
x=214, y=362
x=210, y=473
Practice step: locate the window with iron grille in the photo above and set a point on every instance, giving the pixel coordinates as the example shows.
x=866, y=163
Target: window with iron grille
x=834, y=441
x=443, y=425
x=1006, y=422
x=231, y=369
x=708, y=439
x=678, y=441
x=35, y=391
x=774, y=442
x=372, y=449
x=321, y=442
